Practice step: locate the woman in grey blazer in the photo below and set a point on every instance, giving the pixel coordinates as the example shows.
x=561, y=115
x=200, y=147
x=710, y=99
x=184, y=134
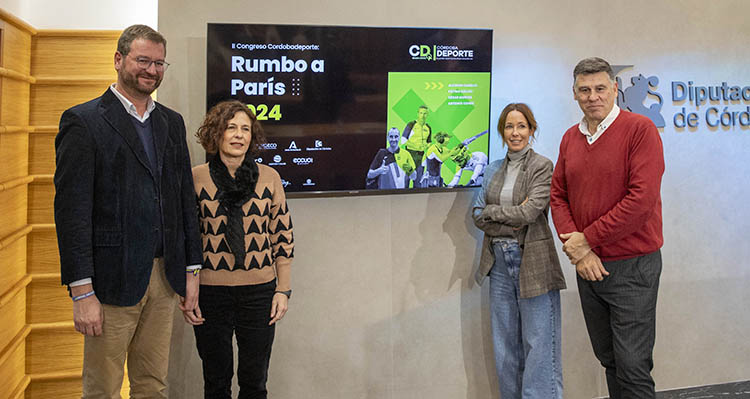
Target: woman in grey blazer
x=519, y=256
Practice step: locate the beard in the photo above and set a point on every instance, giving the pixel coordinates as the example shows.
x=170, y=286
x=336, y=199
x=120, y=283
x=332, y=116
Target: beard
x=131, y=82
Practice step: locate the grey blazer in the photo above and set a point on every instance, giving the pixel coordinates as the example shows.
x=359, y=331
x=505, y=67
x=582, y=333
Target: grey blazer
x=540, y=267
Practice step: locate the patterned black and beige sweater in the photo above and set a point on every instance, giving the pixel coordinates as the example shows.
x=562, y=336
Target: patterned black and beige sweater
x=268, y=233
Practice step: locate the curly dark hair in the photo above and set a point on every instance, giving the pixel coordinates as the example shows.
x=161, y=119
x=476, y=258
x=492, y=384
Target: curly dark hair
x=215, y=123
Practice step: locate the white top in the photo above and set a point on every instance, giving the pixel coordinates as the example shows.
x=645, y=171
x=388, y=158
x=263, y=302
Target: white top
x=584, y=128
x=130, y=107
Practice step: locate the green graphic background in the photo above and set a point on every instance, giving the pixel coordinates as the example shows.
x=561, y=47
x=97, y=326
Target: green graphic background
x=408, y=90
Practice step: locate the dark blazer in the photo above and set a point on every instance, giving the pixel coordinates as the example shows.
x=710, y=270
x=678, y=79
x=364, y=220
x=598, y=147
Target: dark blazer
x=108, y=200
x=540, y=267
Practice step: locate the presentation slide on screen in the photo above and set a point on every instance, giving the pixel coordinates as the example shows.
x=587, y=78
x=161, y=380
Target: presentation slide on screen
x=360, y=108
x=453, y=103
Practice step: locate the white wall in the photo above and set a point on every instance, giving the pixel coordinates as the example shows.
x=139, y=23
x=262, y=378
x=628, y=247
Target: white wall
x=384, y=305
x=84, y=14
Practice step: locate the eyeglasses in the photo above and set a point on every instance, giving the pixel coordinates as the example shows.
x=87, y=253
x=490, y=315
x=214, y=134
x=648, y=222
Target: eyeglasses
x=145, y=63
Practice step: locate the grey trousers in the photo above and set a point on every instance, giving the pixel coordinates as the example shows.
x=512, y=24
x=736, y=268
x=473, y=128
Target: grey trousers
x=620, y=314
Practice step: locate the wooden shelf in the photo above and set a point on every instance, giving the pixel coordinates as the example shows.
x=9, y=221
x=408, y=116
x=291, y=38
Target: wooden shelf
x=9, y=73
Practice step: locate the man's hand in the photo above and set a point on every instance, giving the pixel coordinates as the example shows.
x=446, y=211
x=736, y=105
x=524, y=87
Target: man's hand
x=576, y=246
x=279, y=307
x=189, y=304
x=590, y=268
x=383, y=169
x=87, y=312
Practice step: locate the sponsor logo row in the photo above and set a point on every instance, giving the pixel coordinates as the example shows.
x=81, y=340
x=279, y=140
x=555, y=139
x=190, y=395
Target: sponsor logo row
x=306, y=183
x=294, y=147
x=278, y=160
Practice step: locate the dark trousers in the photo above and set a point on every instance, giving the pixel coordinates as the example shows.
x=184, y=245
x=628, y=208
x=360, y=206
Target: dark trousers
x=620, y=314
x=243, y=311
x=417, y=157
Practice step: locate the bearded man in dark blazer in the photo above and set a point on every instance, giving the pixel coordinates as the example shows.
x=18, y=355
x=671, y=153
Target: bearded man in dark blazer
x=126, y=220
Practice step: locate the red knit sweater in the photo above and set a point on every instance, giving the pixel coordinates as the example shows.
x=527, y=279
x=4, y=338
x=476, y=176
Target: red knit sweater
x=610, y=190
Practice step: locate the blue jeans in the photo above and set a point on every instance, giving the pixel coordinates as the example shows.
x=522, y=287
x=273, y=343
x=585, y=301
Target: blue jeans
x=525, y=331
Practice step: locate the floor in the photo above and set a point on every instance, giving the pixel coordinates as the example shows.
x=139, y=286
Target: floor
x=733, y=390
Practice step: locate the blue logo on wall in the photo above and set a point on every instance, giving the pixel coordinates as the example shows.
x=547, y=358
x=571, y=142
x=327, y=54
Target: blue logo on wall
x=632, y=98
x=688, y=98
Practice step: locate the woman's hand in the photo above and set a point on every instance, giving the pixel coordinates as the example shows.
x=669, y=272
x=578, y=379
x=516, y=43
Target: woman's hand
x=189, y=304
x=279, y=307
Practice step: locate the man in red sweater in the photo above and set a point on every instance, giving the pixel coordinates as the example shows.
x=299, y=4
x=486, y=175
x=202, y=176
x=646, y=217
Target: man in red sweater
x=606, y=206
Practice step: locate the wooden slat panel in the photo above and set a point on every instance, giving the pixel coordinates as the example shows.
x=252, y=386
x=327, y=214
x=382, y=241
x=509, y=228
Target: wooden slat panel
x=77, y=80
x=12, y=369
x=20, y=391
x=42, y=154
x=72, y=33
x=16, y=49
x=69, y=388
x=15, y=236
x=18, y=181
x=64, y=385
x=14, y=148
x=12, y=264
x=14, y=111
x=55, y=350
x=41, y=197
x=19, y=23
x=49, y=101
x=48, y=302
x=9, y=73
x=80, y=56
x=15, y=129
x=43, y=255
x=13, y=210
x=14, y=318
x=47, y=129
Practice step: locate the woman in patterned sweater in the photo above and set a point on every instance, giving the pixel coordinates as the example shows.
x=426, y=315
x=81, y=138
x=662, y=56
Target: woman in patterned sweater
x=246, y=232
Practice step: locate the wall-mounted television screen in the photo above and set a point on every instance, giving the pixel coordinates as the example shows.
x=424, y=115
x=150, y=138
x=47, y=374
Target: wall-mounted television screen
x=360, y=109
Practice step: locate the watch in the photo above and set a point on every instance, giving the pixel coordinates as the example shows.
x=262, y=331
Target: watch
x=287, y=293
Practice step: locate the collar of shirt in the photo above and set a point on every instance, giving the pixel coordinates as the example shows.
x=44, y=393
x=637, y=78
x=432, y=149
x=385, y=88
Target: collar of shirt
x=130, y=107
x=584, y=128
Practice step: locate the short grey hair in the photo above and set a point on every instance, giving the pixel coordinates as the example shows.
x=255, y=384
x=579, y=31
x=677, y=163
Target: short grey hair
x=591, y=65
x=139, y=32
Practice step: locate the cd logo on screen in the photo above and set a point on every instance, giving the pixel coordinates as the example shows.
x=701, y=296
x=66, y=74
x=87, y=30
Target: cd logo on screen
x=302, y=161
x=439, y=52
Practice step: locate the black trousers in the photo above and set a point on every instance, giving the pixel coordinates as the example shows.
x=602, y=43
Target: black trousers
x=417, y=157
x=620, y=314
x=243, y=311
